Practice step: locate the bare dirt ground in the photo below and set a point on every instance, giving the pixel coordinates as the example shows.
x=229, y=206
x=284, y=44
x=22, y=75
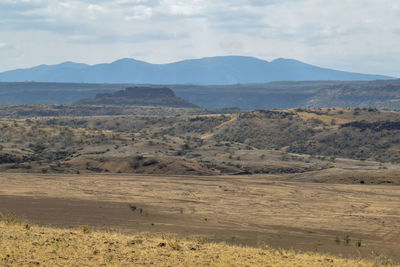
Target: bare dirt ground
x=248, y=210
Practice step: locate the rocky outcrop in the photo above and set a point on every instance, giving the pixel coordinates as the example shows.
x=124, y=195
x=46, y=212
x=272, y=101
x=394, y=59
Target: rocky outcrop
x=139, y=96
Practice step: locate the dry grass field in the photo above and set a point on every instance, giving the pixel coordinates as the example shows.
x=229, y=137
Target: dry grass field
x=315, y=180
x=349, y=220
x=26, y=245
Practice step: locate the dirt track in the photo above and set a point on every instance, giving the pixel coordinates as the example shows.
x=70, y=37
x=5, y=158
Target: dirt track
x=246, y=210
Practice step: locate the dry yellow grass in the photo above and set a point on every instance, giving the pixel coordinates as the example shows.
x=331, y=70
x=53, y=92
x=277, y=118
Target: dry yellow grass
x=325, y=118
x=233, y=118
x=251, y=210
x=25, y=245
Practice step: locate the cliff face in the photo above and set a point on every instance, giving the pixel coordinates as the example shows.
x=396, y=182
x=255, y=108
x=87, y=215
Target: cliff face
x=139, y=96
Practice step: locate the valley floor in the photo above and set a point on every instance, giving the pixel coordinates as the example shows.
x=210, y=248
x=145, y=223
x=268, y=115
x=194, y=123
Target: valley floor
x=257, y=210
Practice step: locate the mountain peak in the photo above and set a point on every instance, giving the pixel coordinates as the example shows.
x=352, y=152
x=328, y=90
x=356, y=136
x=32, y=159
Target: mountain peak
x=286, y=60
x=69, y=64
x=127, y=61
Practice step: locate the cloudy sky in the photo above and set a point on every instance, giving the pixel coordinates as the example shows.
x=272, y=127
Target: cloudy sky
x=353, y=35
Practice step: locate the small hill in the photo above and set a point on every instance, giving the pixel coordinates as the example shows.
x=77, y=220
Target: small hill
x=205, y=71
x=139, y=96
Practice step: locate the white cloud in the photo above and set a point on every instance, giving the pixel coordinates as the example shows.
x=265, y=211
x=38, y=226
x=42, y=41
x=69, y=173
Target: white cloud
x=357, y=35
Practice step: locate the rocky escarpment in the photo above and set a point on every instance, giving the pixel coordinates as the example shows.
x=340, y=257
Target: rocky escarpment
x=139, y=96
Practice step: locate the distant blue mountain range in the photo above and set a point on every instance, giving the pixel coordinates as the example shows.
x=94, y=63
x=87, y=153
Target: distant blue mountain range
x=206, y=71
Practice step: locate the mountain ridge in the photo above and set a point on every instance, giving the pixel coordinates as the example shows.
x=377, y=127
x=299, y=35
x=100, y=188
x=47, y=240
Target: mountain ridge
x=221, y=70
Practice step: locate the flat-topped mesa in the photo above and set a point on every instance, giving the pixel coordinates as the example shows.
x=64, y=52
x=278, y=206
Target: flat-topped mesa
x=141, y=92
x=139, y=96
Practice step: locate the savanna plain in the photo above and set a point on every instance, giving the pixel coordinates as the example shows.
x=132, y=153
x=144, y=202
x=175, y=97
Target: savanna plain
x=185, y=186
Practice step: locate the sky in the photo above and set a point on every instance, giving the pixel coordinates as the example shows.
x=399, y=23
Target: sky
x=351, y=35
